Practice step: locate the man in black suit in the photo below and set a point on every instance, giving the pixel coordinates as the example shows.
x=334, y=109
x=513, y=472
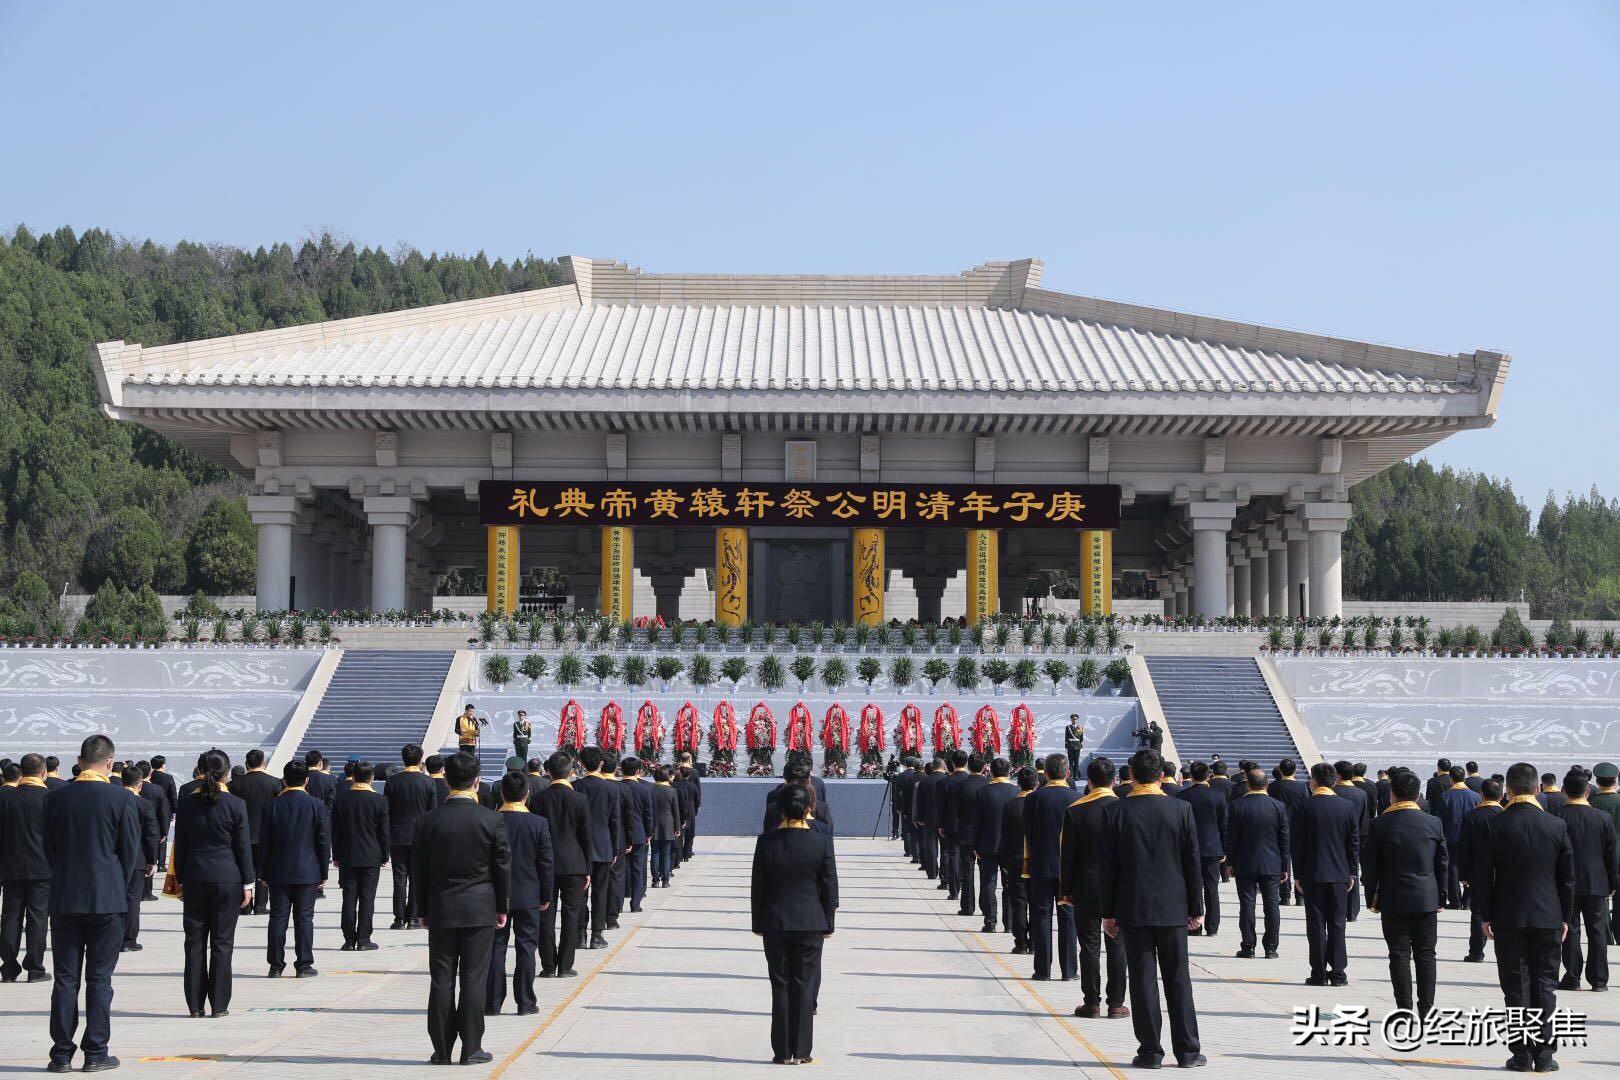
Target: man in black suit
x=1010, y=858
x=1525, y=894
x=990, y=801
x=411, y=795
x=1088, y=823
x=151, y=842
x=257, y=788
x=53, y=776
x=1472, y=778
x=1151, y=891
x=568, y=813
x=361, y=841
x=535, y=771
x=93, y=845
x=528, y=840
x=461, y=870
x=1437, y=784
x=1404, y=870
x=162, y=814
x=902, y=791
x=434, y=764
x=1345, y=787
x=163, y=779
x=688, y=772
x=637, y=809
x=322, y=784
x=297, y=848
x=964, y=795
x=1471, y=846
x=1209, y=809
x=1289, y=791
x=1456, y=803
x=1257, y=839
x=1220, y=783
x=607, y=827
x=924, y=806
x=1552, y=796
x=25, y=876
x=1592, y=839
x=1044, y=814
x=1325, y=840
x=796, y=771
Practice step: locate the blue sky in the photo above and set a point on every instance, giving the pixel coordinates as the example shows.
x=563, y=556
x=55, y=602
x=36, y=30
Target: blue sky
x=1437, y=175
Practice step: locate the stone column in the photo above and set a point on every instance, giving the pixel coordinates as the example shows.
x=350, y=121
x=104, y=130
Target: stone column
x=1259, y=578
x=1277, y=568
x=869, y=577
x=389, y=516
x=1167, y=594
x=667, y=586
x=274, y=515
x=1240, y=580
x=1210, y=522
x=1183, y=594
x=1231, y=590
x=1326, y=523
x=983, y=557
x=1299, y=566
x=730, y=576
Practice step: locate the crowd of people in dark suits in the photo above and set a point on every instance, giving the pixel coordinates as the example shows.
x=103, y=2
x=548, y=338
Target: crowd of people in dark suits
x=1119, y=878
x=485, y=868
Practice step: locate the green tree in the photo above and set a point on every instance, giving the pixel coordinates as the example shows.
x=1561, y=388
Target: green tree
x=125, y=550
x=222, y=554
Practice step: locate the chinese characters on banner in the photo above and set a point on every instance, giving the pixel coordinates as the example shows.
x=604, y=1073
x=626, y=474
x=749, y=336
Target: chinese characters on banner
x=653, y=502
x=982, y=560
x=503, y=570
x=1097, y=572
x=618, y=561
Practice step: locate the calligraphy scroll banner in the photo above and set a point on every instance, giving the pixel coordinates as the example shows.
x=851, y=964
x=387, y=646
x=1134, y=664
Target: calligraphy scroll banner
x=731, y=576
x=503, y=569
x=868, y=506
x=983, y=554
x=1096, y=572
x=870, y=573
x=618, y=565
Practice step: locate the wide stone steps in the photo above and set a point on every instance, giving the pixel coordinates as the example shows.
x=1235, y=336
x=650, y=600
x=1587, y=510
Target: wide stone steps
x=1220, y=705
x=378, y=701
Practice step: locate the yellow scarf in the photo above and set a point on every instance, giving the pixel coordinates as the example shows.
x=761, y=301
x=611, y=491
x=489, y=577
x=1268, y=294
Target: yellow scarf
x=1527, y=800
x=569, y=784
x=1573, y=801
x=1000, y=780
x=360, y=787
x=1323, y=791
x=1093, y=796
x=1405, y=804
x=1458, y=787
x=1154, y=788
x=469, y=796
x=39, y=781
x=791, y=824
x=90, y=776
x=514, y=808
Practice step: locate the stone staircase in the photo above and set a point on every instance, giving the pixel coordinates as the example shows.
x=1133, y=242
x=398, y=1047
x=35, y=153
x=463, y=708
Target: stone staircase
x=378, y=701
x=1220, y=705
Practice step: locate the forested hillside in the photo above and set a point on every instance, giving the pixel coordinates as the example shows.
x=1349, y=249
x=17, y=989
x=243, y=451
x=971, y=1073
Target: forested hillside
x=85, y=501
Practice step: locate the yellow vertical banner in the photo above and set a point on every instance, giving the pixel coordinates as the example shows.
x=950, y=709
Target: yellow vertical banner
x=1097, y=571
x=730, y=576
x=982, y=556
x=870, y=576
x=503, y=569
x=618, y=565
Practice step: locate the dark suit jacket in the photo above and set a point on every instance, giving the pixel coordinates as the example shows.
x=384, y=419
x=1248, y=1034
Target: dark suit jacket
x=296, y=840
x=537, y=783
x=22, y=834
x=528, y=839
x=966, y=792
x=1433, y=788
x=568, y=813
x=606, y=825
x=795, y=882
x=990, y=802
x=93, y=843
x=165, y=780
x=637, y=807
x=951, y=806
x=1257, y=836
x=411, y=796
x=1209, y=809
x=461, y=867
x=683, y=796
x=1475, y=782
x=1456, y=804
x=1369, y=789
x=1591, y=836
x=905, y=790
x=1290, y=793
x=1471, y=844
x=1044, y=813
x=1223, y=786
x=162, y=807
x=1403, y=863
x=257, y=790
x=211, y=841
x=1011, y=855
x=1087, y=827
x=1552, y=800
x=927, y=809
x=1149, y=874
x=323, y=785
x=667, y=812
x=1325, y=839
x=1362, y=801
x=151, y=834
x=1526, y=876
x=360, y=830
x=773, y=816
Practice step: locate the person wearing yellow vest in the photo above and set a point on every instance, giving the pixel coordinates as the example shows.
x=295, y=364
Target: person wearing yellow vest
x=467, y=725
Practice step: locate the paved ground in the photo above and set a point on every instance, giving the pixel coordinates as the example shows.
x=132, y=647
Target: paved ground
x=910, y=989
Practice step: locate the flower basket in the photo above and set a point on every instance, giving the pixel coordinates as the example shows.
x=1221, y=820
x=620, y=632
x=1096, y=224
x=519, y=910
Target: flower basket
x=688, y=730
x=835, y=741
x=908, y=733
x=1021, y=737
x=869, y=740
x=571, y=727
x=986, y=733
x=947, y=729
x=760, y=737
x=723, y=741
x=649, y=741
x=610, y=729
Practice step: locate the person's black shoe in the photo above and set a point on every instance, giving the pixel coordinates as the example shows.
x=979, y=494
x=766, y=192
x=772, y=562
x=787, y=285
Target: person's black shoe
x=477, y=1057
x=397, y=924
x=1192, y=1061
x=367, y=946
x=197, y=1014
x=1474, y=958
x=599, y=942
x=1314, y=981
x=349, y=946
x=439, y=1059
x=131, y=946
x=275, y=972
x=59, y=1066
x=1271, y=954
x=548, y=973
x=1520, y=1063
x=1040, y=978
x=1546, y=1065
x=1070, y=978
x=219, y=1013
x=569, y=974
x=1604, y=989
x=1568, y=983
x=613, y=924
x=306, y=973
x=1338, y=980
x=1143, y=1061
x=1244, y=954
x=528, y=1010
x=101, y=1064
x=635, y=909
x=988, y=928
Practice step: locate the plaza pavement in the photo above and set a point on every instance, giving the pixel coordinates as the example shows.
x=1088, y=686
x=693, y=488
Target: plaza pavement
x=910, y=989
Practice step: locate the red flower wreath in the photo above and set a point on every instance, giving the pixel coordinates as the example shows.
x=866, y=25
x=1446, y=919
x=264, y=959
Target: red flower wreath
x=688, y=729
x=649, y=731
x=986, y=732
x=571, y=726
x=908, y=733
x=870, y=737
x=800, y=729
x=947, y=729
x=610, y=729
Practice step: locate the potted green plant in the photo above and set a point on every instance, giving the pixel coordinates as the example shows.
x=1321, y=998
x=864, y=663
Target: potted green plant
x=604, y=667
x=700, y=672
x=834, y=674
x=667, y=668
x=1056, y=670
x=1087, y=674
x=935, y=671
x=902, y=669
x=570, y=669
x=1118, y=673
x=965, y=674
x=533, y=667
x=804, y=669
x=634, y=671
x=867, y=669
x=770, y=673
x=734, y=669
x=498, y=670
x=997, y=671
x=1025, y=675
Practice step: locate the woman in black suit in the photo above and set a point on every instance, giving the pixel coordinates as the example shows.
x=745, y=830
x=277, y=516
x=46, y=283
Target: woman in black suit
x=795, y=895
x=213, y=865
